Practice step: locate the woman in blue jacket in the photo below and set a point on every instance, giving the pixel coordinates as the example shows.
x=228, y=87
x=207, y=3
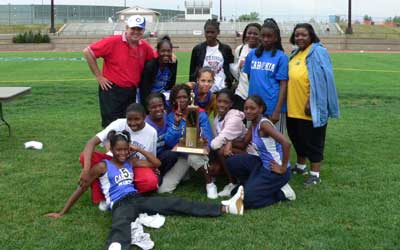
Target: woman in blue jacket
x=311, y=100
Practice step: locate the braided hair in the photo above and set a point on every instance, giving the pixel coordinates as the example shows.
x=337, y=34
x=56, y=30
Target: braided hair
x=213, y=22
x=114, y=136
x=270, y=23
x=164, y=39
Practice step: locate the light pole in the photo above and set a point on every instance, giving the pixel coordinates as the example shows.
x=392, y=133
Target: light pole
x=220, y=10
x=52, y=29
x=349, y=29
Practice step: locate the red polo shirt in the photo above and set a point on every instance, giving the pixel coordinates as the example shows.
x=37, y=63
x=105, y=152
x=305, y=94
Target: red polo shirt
x=123, y=64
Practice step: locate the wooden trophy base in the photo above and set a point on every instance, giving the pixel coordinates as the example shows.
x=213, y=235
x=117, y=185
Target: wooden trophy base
x=190, y=150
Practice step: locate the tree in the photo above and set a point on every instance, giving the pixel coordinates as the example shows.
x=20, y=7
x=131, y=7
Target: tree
x=253, y=16
x=367, y=18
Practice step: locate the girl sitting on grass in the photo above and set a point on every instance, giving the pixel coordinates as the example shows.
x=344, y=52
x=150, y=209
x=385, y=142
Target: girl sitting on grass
x=157, y=118
x=141, y=134
x=177, y=119
x=126, y=203
x=265, y=176
x=228, y=126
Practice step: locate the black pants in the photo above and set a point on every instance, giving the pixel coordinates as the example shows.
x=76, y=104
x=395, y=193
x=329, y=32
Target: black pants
x=127, y=210
x=262, y=187
x=308, y=141
x=113, y=103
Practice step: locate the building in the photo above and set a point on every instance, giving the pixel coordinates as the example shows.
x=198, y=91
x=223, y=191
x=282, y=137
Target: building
x=198, y=9
x=151, y=16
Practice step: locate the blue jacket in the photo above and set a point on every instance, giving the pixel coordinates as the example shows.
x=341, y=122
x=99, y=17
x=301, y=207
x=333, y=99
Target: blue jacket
x=323, y=97
x=174, y=133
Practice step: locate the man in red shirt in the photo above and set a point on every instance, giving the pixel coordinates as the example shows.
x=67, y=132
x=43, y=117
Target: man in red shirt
x=124, y=58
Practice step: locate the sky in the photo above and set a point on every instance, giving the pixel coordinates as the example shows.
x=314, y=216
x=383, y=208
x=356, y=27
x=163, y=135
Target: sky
x=234, y=8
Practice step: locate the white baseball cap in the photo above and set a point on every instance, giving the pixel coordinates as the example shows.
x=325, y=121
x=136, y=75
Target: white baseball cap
x=136, y=21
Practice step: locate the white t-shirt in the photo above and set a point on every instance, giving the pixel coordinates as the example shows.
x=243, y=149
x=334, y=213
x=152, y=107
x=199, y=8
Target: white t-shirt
x=146, y=138
x=215, y=61
x=242, y=89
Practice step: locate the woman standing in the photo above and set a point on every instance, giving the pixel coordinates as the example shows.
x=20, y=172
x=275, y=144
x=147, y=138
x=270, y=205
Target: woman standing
x=267, y=70
x=159, y=74
x=311, y=100
x=214, y=54
x=251, y=40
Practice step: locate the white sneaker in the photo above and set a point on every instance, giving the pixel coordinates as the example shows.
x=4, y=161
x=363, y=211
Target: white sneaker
x=143, y=241
x=226, y=192
x=139, y=237
x=212, y=192
x=235, y=204
x=288, y=192
x=103, y=206
x=114, y=246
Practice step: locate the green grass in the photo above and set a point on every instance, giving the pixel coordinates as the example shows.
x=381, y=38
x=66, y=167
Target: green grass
x=373, y=31
x=355, y=207
x=18, y=28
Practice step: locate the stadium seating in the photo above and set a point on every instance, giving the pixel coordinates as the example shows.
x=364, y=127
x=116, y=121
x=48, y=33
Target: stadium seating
x=191, y=28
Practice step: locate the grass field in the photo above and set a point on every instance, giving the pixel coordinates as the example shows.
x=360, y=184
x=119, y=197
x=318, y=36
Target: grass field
x=355, y=207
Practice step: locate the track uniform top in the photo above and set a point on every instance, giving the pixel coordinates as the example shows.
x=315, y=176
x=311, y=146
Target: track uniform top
x=116, y=183
x=267, y=148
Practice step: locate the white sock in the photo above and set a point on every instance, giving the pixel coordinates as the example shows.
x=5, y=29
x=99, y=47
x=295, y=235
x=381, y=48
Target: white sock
x=314, y=173
x=301, y=166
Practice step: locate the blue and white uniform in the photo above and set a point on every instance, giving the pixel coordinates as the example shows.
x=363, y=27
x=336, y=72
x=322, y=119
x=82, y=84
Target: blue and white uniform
x=161, y=146
x=267, y=148
x=116, y=183
x=262, y=187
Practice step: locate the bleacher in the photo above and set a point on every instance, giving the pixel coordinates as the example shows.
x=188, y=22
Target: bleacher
x=188, y=28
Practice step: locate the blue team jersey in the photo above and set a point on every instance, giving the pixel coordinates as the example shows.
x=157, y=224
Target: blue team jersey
x=161, y=80
x=267, y=148
x=116, y=183
x=161, y=146
x=265, y=73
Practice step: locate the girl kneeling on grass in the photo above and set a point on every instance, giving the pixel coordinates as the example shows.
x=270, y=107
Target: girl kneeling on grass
x=203, y=97
x=116, y=177
x=228, y=126
x=265, y=176
x=142, y=135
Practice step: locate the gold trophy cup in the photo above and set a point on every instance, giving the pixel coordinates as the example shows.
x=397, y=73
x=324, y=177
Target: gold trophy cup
x=192, y=143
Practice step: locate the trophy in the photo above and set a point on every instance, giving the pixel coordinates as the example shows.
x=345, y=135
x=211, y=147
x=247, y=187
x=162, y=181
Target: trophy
x=192, y=142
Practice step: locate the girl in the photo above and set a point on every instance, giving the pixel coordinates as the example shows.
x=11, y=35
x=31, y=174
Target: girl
x=214, y=54
x=250, y=41
x=228, y=126
x=180, y=99
x=267, y=70
x=159, y=74
x=126, y=204
x=312, y=99
x=157, y=118
x=142, y=135
x=265, y=176
x=203, y=97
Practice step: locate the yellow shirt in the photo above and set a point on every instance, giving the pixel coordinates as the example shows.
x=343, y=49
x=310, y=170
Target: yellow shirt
x=298, y=86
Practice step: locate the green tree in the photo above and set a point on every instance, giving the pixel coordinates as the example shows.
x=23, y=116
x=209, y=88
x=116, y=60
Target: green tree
x=253, y=16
